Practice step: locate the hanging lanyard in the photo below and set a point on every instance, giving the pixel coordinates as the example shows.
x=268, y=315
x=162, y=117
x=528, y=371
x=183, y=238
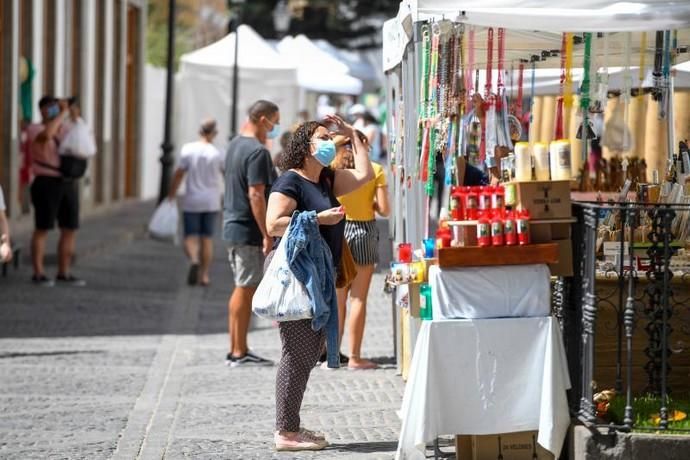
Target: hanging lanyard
x=489, y=59
x=584, y=99
x=568, y=90
x=424, y=83
x=501, y=59
x=433, y=78
x=469, y=87
x=518, y=100
x=531, y=94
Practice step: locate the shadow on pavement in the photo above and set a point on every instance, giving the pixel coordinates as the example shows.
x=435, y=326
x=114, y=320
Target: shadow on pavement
x=365, y=447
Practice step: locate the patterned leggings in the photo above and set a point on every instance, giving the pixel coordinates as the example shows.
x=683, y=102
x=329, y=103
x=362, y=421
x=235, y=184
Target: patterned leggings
x=302, y=347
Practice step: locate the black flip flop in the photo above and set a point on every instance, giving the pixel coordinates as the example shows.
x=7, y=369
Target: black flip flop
x=193, y=275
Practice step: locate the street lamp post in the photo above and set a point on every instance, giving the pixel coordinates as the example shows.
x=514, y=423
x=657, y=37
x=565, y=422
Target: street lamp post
x=234, y=26
x=167, y=145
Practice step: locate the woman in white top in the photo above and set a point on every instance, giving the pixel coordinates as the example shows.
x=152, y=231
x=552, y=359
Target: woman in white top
x=201, y=164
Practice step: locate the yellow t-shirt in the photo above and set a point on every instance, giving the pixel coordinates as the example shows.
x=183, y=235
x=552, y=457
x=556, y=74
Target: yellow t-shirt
x=359, y=205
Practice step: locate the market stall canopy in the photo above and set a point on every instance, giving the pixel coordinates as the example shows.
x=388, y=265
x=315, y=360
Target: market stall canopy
x=559, y=15
x=536, y=26
x=205, y=78
x=317, y=70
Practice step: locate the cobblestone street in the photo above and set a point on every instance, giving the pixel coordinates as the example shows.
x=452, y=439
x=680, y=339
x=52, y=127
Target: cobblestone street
x=132, y=366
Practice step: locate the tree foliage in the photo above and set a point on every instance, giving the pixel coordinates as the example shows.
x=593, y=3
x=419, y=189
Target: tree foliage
x=351, y=24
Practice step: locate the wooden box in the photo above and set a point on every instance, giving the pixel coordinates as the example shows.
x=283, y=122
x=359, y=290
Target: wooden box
x=546, y=253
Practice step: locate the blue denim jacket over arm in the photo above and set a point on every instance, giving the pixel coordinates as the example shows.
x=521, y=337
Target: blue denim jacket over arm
x=311, y=262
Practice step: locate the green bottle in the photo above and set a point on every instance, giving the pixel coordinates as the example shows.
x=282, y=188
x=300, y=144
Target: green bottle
x=425, y=311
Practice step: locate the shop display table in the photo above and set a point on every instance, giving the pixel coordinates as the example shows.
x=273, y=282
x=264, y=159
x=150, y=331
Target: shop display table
x=486, y=376
x=490, y=292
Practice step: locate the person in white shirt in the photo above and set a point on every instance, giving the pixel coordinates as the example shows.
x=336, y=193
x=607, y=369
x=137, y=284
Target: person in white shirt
x=201, y=166
x=5, y=243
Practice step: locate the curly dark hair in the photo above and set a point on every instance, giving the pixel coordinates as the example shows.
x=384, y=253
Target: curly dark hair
x=298, y=148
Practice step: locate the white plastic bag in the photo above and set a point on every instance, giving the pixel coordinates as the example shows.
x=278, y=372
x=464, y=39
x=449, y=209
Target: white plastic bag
x=163, y=224
x=280, y=296
x=78, y=141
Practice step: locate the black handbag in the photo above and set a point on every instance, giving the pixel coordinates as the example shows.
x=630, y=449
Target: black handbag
x=71, y=167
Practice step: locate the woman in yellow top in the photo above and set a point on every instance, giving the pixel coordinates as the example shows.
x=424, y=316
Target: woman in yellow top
x=362, y=236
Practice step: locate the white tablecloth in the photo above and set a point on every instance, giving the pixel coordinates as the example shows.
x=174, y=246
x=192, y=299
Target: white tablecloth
x=506, y=291
x=486, y=376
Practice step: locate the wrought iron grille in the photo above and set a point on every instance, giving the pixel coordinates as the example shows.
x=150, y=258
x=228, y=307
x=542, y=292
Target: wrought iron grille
x=641, y=301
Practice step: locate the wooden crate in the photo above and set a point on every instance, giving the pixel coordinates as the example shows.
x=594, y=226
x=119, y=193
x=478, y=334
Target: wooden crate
x=546, y=253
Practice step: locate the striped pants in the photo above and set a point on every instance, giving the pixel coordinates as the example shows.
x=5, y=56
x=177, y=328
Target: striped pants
x=301, y=348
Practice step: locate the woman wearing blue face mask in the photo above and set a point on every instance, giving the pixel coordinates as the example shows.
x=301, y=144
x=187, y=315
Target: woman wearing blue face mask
x=309, y=184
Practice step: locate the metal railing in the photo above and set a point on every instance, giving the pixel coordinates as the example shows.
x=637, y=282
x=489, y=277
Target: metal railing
x=634, y=294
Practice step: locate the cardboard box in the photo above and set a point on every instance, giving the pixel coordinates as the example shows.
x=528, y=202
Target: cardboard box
x=546, y=232
x=513, y=446
x=544, y=199
x=561, y=231
x=540, y=233
x=564, y=266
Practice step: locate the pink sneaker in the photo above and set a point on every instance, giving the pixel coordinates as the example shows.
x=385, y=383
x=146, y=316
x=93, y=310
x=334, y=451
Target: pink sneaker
x=303, y=440
x=313, y=434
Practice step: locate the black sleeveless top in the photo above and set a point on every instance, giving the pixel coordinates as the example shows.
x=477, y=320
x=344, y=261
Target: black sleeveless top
x=315, y=196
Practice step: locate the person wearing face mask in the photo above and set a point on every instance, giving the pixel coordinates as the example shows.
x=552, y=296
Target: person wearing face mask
x=249, y=174
x=53, y=196
x=309, y=184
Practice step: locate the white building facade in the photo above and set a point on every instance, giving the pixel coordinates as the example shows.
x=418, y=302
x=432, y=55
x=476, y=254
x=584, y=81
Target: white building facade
x=93, y=49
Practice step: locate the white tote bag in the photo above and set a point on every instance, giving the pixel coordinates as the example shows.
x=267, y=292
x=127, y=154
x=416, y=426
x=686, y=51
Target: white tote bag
x=79, y=141
x=280, y=296
x=163, y=224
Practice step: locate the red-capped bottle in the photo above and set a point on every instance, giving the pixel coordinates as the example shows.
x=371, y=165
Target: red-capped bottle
x=483, y=230
x=498, y=201
x=485, y=198
x=510, y=229
x=522, y=223
x=456, y=210
x=472, y=208
x=497, y=238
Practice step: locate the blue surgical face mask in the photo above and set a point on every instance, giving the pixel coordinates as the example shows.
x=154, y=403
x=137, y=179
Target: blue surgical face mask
x=325, y=151
x=274, y=132
x=53, y=111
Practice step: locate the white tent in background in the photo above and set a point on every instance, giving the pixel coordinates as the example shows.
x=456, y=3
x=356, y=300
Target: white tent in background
x=356, y=62
x=204, y=83
x=317, y=70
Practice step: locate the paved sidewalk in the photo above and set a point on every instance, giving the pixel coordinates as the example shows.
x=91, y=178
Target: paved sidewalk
x=132, y=365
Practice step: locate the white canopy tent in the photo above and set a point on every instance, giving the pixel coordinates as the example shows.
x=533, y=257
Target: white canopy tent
x=318, y=70
x=204, y=84
x=522, y=18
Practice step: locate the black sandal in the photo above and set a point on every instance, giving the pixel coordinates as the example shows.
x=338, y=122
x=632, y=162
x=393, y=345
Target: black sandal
x=193, y=275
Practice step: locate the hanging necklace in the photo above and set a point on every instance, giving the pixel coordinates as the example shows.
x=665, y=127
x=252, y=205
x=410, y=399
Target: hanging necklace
x=559, y=107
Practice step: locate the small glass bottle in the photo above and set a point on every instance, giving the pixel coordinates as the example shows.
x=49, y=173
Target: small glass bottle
x=425, y=306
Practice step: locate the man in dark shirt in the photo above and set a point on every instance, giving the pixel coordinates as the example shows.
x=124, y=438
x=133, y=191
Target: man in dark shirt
x=249, y=174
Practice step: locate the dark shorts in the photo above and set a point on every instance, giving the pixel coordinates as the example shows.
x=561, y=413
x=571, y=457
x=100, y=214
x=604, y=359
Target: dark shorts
x=199, y=224
x=55, y=198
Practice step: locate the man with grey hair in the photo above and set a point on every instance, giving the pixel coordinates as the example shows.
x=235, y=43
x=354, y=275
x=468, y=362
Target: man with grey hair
x=201, y=166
